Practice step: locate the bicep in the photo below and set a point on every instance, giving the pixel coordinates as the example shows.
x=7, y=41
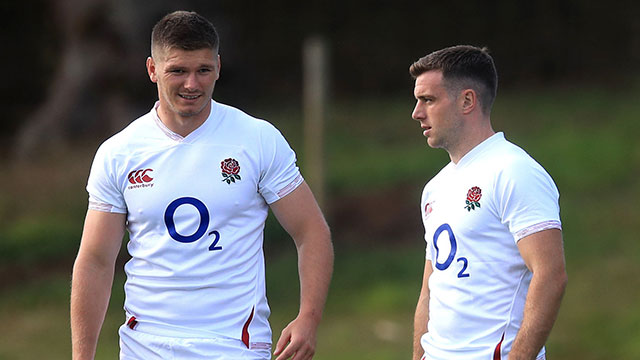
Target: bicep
x=428, y=270
x=102, y=236
x=543, y=250
x=299, y=213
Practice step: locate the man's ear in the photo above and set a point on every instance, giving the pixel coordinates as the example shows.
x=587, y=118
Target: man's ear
x=219, y=66
x=151, y=70
x=469, y=101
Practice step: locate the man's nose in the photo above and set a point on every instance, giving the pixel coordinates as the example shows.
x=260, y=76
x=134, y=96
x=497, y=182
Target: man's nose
x=191, y=82
x=418, y=112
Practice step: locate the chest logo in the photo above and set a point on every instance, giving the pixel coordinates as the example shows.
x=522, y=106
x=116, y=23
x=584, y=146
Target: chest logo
x=230, y=170
x=473, y=198
x=140, y=178
x=428, y=209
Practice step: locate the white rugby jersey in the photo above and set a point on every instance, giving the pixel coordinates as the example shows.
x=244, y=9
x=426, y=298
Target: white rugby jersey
x=474, y=212
x=196, y=208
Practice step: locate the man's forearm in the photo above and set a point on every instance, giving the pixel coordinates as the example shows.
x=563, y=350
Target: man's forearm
x=541, y=309
x=90, y=293
x=315, y=265
x=421, y=318
x=420, y=321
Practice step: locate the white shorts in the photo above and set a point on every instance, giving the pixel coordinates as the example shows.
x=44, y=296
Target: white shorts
x=541, y=357
x=137, y=345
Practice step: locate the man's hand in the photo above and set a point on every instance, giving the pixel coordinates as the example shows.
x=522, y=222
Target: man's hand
x=298, y=340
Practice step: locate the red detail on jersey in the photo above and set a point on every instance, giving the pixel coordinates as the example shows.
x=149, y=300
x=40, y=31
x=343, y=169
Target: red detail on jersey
x=428, y=209
x=230, y=170
x=140, y=176
x=245, y=329
x=496, y=352
x=230, y=166
x=473, y=198
x=474, y=194
x=145, y=177
x=132, y=322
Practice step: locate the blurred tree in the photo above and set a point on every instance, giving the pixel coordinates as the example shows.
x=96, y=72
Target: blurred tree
x=94, y=55
x=80, y=63
x=99, y=78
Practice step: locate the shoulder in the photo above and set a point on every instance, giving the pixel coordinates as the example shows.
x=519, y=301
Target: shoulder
x=439, y=180
x=516, y=162
x=499, y=157
x=238, y=118
x=241, y=125
x=131, y=134
x=443, y=175
x=129, y=141
x=516, y=173
x=245, y=128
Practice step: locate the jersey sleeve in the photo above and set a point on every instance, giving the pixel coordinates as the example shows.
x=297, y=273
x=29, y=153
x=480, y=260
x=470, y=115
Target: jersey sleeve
x=104, y=193
x=279, y=174
x=527, y=199
x=424, y=214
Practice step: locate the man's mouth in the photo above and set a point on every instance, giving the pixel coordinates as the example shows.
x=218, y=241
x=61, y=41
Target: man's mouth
x=189, y=97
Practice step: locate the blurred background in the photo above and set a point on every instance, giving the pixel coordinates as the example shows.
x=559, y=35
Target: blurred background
x=568, y=94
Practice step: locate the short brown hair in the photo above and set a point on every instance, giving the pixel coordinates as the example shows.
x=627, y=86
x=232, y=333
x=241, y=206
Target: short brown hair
x=184, y=30
x=463, y=66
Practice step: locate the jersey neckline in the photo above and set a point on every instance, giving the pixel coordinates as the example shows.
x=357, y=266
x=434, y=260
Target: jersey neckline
x=478, y=149
x=192, y=135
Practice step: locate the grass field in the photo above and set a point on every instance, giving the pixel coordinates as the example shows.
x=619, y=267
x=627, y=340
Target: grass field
x=586, y=139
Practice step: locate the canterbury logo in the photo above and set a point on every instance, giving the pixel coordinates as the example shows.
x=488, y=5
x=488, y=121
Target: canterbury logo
x=140, y=176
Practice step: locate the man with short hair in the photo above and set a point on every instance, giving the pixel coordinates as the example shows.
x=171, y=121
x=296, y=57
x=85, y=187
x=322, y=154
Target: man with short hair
x=192, y=182
x=494, y=273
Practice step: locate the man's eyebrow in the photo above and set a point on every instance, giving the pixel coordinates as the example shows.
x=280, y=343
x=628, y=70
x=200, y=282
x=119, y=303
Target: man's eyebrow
x=425, y=96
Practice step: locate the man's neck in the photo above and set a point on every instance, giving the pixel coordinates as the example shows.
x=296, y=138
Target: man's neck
x=473, y=138
x=182, y=125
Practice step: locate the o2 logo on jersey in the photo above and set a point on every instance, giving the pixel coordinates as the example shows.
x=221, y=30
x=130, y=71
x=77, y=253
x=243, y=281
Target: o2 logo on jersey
x=452, y=253
x=170, y=212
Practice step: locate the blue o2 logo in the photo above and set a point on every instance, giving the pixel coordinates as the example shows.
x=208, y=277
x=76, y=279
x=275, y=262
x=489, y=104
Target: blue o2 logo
x=452, y=253
x=170, y=212
x=171, y=225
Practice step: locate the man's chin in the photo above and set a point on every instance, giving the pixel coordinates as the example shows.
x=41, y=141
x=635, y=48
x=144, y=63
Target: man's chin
x=190, y=112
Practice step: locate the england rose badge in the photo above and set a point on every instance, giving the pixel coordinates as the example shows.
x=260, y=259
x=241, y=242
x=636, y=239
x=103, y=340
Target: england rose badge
x=473, y=198
x=230, y=170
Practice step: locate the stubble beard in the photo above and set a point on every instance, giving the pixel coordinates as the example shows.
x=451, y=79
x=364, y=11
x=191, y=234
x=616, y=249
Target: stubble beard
x=190, y=113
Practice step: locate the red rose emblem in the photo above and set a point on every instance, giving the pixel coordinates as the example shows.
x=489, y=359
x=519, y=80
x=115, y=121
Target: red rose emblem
x=230, y=170
x=230, y=166
x=474, y=194
x=473, y=198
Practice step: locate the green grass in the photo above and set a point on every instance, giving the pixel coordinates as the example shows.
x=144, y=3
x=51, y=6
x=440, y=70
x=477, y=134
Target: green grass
x=368, y=315
x=37, y=312
x=585, y=138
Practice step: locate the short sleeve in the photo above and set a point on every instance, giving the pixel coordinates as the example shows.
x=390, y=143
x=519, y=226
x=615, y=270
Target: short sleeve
x=425, y=210
x=427, y=251
x=102, y=186
x=528, y=199
x=279, y=174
